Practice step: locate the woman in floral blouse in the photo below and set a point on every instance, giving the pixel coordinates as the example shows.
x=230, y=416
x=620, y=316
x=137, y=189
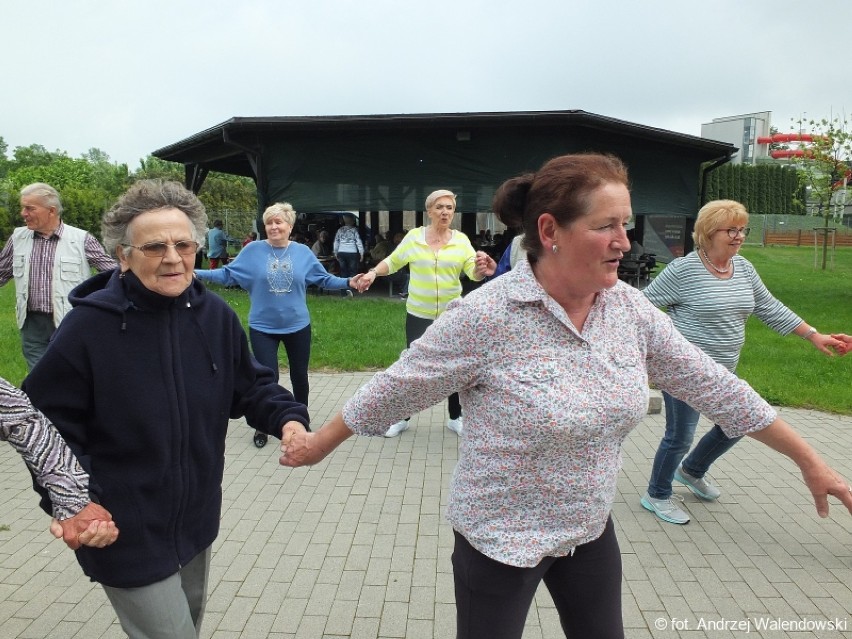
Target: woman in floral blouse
x=552, y=362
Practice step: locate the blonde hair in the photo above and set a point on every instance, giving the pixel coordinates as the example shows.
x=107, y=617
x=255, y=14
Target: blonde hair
x=715, y=215
x=284, y=210
x=434, y=195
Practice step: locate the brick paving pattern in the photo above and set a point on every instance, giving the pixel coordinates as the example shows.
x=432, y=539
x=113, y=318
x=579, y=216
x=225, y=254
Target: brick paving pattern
x=357, y=547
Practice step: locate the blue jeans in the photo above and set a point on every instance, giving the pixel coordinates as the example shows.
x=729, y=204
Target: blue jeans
x=349, y=263
x=681, y=421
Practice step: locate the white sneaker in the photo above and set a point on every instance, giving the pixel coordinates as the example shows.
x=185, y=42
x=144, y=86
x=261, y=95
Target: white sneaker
x=665, y=509
x=397, y=428
x=455, y=425
x=698, y=485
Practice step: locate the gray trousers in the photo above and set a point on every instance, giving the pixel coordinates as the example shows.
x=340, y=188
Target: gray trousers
x=169, y=609
x=36, y=332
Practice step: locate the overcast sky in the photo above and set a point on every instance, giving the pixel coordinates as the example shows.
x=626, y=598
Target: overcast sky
x=129, y=77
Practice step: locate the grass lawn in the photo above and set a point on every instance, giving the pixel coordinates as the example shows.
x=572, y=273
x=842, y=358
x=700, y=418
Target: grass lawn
x=788, y=371
x=367, y=333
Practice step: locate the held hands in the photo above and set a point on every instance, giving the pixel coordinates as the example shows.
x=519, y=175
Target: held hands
x=845, y=343
x=485, y=265
x=301, y=448
x=360, y=282
x=92, y=526
x=298, y=447
x=829, y=344
x=367, y=280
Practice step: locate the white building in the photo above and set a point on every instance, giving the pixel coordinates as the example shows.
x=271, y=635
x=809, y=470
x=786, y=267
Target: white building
x=741, y=131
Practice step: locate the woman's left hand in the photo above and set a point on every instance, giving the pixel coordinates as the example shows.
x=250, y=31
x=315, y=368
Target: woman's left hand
x=485, y=265
x=820, y=478
x=822, y=481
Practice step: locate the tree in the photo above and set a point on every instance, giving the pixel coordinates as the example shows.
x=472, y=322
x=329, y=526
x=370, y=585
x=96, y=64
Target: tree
x=87, y=186
x=764, y=188
x=825, y=169
x=220, y=191
x=4, y=161
x=35, y=155
x=153, y=168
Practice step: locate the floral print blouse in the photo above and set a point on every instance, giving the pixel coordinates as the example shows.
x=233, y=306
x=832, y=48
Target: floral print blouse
x=546, y=407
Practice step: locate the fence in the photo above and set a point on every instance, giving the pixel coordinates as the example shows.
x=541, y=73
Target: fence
x=801, y=237
x=795, y=230
x=236, y=224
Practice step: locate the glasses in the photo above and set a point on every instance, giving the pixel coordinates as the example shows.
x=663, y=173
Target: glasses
x=732, y=232
x=158, y=249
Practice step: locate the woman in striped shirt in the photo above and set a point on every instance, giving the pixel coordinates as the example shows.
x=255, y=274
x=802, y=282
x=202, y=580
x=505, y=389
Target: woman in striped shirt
x=436, y=256
x=709, y=295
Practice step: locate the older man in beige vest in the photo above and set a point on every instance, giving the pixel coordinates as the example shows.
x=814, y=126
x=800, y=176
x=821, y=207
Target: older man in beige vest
x=47, y=259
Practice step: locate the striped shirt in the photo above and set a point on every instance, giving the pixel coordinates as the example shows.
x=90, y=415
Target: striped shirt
x=41, y=266
x=44, y=451
x=434, y=280
x=711, y=312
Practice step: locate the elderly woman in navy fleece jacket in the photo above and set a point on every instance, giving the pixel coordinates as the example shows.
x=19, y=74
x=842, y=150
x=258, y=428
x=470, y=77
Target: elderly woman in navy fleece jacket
x=141, y=379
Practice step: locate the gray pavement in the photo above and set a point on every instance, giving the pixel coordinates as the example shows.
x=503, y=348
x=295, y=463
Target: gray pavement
x=358, y=547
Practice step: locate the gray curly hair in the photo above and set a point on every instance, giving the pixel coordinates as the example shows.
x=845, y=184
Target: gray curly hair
x=151, y=195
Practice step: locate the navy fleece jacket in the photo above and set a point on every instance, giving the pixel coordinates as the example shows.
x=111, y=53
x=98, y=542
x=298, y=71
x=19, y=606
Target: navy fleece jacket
x=141, y=387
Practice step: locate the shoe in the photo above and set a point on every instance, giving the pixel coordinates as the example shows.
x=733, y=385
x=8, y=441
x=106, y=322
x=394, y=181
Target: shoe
x=260, y=439
x=456, y=425
x=349, y=293
x=698, y=485
x=397, y=428
x=665, y=509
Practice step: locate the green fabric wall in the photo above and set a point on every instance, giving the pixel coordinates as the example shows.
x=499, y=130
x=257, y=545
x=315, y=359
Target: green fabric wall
x=396, y=170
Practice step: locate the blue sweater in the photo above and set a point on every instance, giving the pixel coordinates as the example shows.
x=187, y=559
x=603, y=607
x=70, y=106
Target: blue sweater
x=260, y=268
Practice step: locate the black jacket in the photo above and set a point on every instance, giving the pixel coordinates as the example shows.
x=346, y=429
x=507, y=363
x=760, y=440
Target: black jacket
x=141, y=387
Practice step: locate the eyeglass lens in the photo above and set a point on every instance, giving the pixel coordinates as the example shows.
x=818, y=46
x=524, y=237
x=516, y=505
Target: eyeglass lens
x=158, y=249
x=732, y=233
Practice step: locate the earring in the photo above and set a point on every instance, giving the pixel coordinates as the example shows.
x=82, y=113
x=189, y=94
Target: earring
x=555, y=248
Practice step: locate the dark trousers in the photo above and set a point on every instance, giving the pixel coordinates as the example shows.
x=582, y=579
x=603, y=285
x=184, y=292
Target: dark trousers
x=349, y=264
x=493, y=599
x=298, y=348
x=36, y=332
x=414, y=329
